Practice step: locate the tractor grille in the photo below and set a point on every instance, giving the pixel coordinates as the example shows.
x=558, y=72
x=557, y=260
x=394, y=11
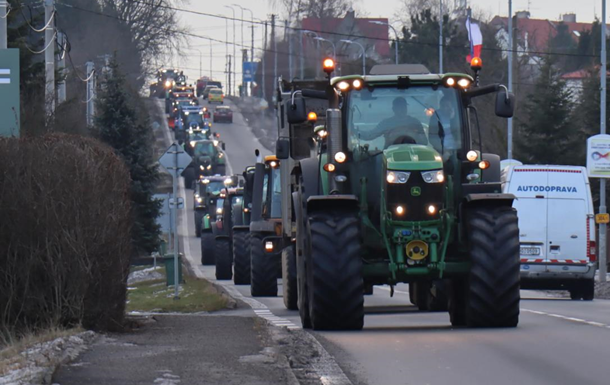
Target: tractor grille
x=416, y=206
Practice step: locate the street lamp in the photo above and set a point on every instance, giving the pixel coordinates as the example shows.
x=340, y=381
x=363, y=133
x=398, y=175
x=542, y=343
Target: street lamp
x=306, y=32
x=234, y=55
x=334, y=50
x=363, y=53
x=395, y=34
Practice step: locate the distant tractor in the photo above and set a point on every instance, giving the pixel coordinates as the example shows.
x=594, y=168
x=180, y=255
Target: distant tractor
x=398, y=192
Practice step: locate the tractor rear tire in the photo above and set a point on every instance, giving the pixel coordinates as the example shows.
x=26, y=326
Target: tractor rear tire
x=241, y=257
x=198, y=218
x=421, y=294
x=493, y=283
x=224, y=256
x=302, y=255
x=335, y=284
x=437, y=296
x=207, y=248
x=289, y=278
x=263, y=269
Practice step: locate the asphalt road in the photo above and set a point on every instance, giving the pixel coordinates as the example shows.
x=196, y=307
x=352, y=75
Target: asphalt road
x=558, y=341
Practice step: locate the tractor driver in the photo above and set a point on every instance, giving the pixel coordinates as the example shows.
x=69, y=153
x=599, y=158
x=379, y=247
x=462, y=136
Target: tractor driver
x=399, y=128
x=447, y=116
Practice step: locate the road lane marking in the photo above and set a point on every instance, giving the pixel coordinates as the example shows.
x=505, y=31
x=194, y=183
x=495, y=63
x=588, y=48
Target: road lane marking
x=571, y=319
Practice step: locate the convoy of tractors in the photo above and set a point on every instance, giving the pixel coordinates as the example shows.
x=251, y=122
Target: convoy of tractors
x=375, y=181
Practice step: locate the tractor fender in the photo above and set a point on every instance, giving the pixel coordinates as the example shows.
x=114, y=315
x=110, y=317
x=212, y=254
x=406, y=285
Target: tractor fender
x=241, y=228
x=310, y=173
x=262, y=226
x=327, y=202
x=489, y=199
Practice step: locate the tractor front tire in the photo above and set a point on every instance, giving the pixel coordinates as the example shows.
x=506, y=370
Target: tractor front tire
x=263, y=269
x=492, y=298
x=289, y=278
x=198, y=218
x=189, y=177
x=224, y=256
x=207, y=248
x=335, y=284
x=241, y=257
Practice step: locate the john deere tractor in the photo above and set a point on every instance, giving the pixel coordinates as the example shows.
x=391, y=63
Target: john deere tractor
x=230, y=214
x=399, y=192
x=208, y=159
x=211, y=195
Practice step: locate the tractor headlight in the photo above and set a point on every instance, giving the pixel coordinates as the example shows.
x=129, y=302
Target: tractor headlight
x=435, y=176
x=199, y=199
x=209, y=167
x=193, y=143
x=397, y=177
x=219, y=210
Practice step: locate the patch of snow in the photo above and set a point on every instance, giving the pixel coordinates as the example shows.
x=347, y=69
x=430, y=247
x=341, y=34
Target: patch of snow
x=147, y=274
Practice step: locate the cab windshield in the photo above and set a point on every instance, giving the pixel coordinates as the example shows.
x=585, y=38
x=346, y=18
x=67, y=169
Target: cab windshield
x=197, y=135
x=204, y=148
x=214, y=186
x=194, y=117
x=272, y=194
x=383, y=116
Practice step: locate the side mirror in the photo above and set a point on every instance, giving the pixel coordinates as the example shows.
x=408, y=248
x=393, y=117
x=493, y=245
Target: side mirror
x=505, y=104
x=297, y=111
x=242, y=183
x=282, y=148
x=223, y=146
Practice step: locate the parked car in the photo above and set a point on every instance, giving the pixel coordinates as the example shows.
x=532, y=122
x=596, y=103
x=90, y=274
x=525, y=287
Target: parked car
x=223, y=114
x=556, y=227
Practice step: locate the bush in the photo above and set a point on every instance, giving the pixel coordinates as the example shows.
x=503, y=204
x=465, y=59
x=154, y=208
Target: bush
x=64, y=233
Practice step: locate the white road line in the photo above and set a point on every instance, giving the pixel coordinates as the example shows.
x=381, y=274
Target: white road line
x=571, y=319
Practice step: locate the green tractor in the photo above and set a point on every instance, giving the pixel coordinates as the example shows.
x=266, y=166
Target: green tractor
x=208, y=158
x=205, y=195
x=398, y=193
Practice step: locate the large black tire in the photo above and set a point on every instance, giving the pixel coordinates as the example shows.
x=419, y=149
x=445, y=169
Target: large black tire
x=207, y=248
x=437, y=297
x=334, y=269
x=224, y=257
x=492, y=293
x=263, y=269
x=421, y=294
x=289, y=278
x=584, y=290
x=302, y=255
x=241, y=257
x=189, y=177
x=198, y=218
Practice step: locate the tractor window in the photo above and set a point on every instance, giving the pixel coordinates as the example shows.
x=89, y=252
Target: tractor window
x=276, y=194
x=194, y=117
x=204, y=148
x=383, y=116
x=214, y=186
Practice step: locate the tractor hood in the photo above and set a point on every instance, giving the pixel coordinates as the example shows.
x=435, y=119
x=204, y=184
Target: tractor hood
x=204, y=160
x=416, y=157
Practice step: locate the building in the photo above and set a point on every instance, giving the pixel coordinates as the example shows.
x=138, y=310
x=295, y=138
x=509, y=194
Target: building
x=372, y=33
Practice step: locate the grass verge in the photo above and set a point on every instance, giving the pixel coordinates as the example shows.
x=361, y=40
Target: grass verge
x=196, y=295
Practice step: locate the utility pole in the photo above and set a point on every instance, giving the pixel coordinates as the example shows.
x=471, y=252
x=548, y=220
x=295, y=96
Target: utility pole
x=61, y=66
x=234, y=44
x=510, y=75
x=230, y=85
x=210, y=59
x=49, y=58
x=90, y=93
x=289, y=35
x=244, y=59
x=602, y=126
x=226, y=50
x=274, y=49
x=440, y=39
x=3, y=24
x=252, y=56
x=264, y=63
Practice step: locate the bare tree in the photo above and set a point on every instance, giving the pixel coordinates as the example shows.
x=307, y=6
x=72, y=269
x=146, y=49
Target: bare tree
x=298, y=9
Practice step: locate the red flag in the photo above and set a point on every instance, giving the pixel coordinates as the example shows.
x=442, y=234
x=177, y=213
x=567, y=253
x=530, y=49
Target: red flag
x=476, y=39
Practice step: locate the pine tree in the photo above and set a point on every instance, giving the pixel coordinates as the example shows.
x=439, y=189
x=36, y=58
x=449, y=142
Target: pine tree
x=119, y=124
x=548, y=135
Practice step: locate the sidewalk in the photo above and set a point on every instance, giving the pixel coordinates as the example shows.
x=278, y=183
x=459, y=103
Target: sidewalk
x=183, y=349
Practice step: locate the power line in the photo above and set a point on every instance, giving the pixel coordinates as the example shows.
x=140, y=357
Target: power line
x=51, y=19
x=357, y=36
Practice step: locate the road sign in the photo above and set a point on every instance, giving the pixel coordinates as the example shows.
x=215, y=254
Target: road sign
x=180, y=203
x=602, y=218
x=175, y=160
x=598, y=156
x=249, y=69
x=9, y=92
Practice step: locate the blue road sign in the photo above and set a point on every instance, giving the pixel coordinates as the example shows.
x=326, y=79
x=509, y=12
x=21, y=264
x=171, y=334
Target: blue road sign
x=249, y=69
x=9, y=92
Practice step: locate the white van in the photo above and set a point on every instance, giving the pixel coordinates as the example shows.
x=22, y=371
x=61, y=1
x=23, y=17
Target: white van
x=556, y=227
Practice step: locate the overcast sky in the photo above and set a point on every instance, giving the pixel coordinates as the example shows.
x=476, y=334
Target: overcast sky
x=585, y=10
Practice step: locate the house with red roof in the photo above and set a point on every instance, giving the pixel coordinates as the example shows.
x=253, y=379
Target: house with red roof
x=372, y=33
